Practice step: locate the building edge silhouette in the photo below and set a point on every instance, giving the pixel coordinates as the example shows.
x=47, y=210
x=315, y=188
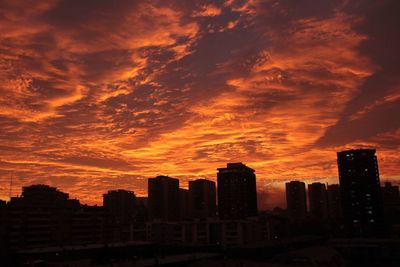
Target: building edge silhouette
x=44, y=217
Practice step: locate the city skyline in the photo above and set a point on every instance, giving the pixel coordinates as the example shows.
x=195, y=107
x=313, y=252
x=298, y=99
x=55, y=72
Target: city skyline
x=267, y=199
x=46, y=223
x=280, y=200
x=199, y=133
x=359, y=187
x=98, y=95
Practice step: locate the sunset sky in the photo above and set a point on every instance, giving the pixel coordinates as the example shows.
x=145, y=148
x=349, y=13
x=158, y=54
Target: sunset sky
x=98, y=95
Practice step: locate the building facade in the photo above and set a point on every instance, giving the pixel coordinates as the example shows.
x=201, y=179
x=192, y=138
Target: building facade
x=296, y=201
x=334, y=203
x=184, y=204
x=360, y=192
x=318, y=202
x=391, y=203
x=163, y=198
x=45, y=217
x=202, y=198
x=120, y=207
x=237, y=195
x=120, y=204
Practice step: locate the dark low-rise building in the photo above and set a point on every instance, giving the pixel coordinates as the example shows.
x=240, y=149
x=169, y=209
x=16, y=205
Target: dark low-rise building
x=391, y=203
x=41, y=217
x=2, y=228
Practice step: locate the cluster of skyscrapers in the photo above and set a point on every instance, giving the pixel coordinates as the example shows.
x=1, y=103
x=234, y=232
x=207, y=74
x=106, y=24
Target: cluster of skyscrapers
x=204, y=213
x=356, y=207
x=324, y=204
x=44, y=216
x=237, y=196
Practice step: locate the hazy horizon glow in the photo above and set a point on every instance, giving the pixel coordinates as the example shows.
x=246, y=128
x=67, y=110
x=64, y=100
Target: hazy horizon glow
x=100, y=95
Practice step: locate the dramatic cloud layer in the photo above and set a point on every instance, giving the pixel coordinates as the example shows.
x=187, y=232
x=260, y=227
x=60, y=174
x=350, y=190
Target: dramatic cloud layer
x=98, y=95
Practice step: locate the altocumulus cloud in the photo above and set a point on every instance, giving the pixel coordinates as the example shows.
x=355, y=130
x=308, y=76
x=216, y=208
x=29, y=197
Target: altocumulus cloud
x=96, y=95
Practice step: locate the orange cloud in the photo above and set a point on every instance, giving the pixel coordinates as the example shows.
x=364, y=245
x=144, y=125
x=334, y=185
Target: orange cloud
x=96, y=96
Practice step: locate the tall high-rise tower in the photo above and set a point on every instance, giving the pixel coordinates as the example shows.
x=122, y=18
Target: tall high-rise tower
x=296, y=201
x=318, y=200
x=202, y=198
x=334, y=204
x=163, y=199
x=120, y=204
x=360, y=192
x=237, y=195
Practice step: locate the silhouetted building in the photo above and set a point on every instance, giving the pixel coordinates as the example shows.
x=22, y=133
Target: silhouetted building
x=237, y=196
x=2, y=228
x=41, y=217
x=163, y=199
x=334, y=203
x=142, y=201
x=391, y=203
x=43, y=195
x=360, y=192
x=3, y=204
x=87, y=225
x=141, y=213
x=120, y=204
x=318, y=201
x=140, y=226
x=120, y=208
x=202, y=198
x=184, y=204
x=296, y=201
x=274, y=225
